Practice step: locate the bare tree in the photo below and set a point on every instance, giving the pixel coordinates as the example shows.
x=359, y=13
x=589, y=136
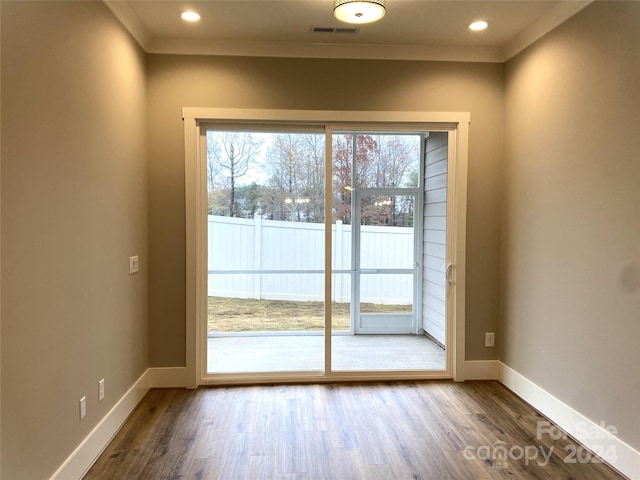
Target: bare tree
x=342, y=181
x=346, y=169
x=312, y=179
x=217, y=183
x=394, y=160
x=282, y=158
x=232, y=151
x=296, y=167
x=379, y=161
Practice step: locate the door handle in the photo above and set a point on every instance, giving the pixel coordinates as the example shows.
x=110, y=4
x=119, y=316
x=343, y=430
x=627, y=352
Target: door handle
x=448, y=273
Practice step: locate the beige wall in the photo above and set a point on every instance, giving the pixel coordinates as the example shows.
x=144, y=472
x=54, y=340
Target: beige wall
x=193, y=81
x=570, y=278
x=74, y=208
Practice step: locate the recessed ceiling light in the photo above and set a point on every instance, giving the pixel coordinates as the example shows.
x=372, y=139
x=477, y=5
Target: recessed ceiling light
x=190, y=16
x=478, y=25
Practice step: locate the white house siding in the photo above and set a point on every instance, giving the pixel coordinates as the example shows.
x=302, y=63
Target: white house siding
x=435, y=236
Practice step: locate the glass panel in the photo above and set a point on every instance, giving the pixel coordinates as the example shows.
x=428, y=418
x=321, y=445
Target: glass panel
x=387, y=233
x=266, y=251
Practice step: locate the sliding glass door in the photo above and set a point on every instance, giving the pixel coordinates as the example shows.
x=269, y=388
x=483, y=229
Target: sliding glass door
x=269, y=229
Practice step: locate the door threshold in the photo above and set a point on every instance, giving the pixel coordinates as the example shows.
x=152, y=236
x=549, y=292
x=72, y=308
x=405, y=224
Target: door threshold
x=279, y=333
x=316, y=377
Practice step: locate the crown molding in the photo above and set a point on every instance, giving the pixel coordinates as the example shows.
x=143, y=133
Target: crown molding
x=557, y=15
x=325, y=50
x=123, y=12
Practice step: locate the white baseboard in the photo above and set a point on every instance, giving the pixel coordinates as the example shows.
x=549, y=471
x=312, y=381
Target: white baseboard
x=623, y=457
x=92, y=446
x=481, y=370
x=77, y=464
x=168, y=377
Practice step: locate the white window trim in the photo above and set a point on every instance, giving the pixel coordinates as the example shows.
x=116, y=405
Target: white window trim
x=457, y=123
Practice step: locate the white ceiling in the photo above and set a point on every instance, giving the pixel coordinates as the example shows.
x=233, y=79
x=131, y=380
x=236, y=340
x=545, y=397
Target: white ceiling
x=411, y=29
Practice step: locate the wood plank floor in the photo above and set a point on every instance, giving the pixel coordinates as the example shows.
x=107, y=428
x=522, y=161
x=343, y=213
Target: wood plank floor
x=409, y=430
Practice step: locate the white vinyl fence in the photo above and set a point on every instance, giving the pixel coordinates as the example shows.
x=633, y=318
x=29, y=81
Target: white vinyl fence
x=282, y=249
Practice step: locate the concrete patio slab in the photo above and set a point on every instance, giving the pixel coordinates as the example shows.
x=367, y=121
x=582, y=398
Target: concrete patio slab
x=277, y=353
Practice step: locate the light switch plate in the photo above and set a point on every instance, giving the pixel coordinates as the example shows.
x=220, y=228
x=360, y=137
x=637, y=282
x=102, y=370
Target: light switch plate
x=489, y=339
x=134, y=265
x=83, y=407
x=101, y=390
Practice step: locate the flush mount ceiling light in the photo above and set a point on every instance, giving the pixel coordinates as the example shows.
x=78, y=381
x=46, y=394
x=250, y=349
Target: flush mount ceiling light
x=190, y=16
x=359, y=11
x=478, y=25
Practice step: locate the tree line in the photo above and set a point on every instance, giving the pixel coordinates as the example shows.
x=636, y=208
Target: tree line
x=282, y=176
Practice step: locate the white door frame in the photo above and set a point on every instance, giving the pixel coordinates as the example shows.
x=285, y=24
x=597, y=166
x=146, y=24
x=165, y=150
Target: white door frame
x=456, y=123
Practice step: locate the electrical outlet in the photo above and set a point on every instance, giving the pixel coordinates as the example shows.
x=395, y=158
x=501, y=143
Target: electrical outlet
x=489, y=339
x=134, y=265
x=83, y=407
x=101, y=390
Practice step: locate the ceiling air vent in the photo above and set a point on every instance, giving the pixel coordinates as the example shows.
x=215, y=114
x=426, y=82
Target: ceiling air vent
x=333, y=30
